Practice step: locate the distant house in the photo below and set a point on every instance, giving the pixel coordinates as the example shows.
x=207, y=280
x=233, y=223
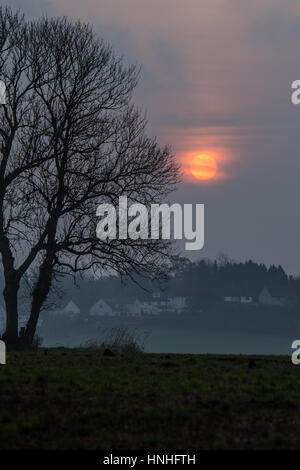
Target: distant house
x=267, y=297
x=177, y=304
x=156, y=307
x=237, y=295
x=71, y=308
x=103, y=309
x=150, y=308
x=138, y=308
x=133, y=309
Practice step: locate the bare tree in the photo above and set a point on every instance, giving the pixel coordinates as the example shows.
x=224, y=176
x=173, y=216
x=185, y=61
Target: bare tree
x=70, y=140
x=22, y=149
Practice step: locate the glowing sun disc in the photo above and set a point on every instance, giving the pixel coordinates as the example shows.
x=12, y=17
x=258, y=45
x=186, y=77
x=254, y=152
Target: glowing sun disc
x=203, y=167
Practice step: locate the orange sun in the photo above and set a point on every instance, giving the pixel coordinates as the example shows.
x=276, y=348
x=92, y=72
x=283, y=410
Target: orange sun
x=203, y=167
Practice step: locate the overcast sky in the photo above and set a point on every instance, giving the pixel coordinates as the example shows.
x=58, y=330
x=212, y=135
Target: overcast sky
x=216, y=78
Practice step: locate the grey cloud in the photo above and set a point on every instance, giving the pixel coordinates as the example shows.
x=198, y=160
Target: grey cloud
x=33, y=8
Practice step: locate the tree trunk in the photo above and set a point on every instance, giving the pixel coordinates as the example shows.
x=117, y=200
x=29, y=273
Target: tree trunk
x=39, y=296
x=11, y=336
x=11, y=289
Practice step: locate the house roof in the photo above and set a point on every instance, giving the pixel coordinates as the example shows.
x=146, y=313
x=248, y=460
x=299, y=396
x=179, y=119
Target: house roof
x=99, y=306
x=278, y=292
x=71, y=307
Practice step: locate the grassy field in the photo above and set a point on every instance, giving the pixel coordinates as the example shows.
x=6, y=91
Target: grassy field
x=81, y=399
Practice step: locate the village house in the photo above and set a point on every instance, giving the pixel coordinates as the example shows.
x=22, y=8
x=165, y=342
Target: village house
x=236, y=295
x=133, y=309
x=139, y=308
x=265, y=296
x=72, y=308
x=176, y=304
x=157, y=306
x=101, y=309
x=269, y=297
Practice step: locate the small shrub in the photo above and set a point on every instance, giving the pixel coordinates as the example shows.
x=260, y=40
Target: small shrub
x=122, y=339
x=126, y=340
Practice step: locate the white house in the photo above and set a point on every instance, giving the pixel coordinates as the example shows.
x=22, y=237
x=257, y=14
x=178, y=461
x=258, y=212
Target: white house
x=150, y=308
x=156, y=307
x=237, y=295
x=138, y=308
x=134, y=309
x=266, y=298
x=102, y=309
x=231, y=298
x=246, y=299
x=243, y=299
x=178, y=304
x=71, y=308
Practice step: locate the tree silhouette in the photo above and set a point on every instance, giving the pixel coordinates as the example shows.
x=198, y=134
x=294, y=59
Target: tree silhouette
x=70, y=140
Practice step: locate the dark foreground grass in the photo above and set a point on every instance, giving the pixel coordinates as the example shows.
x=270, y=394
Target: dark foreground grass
x=80, y=399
